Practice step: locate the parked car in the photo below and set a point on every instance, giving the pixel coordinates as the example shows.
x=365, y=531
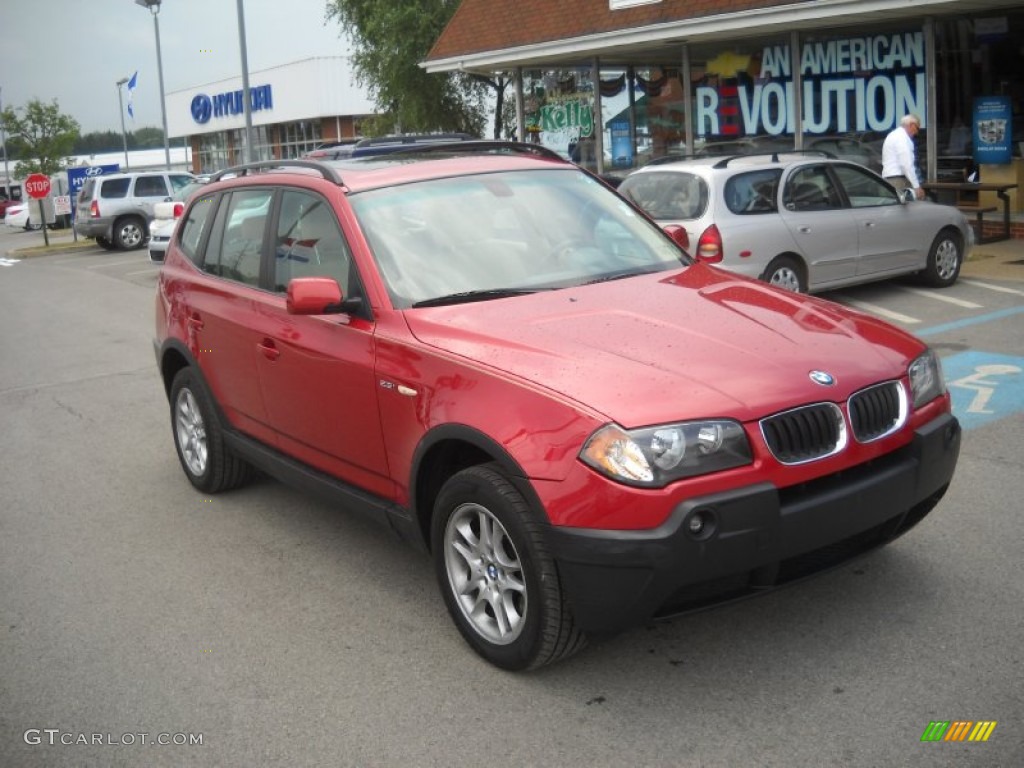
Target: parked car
x=485, y=348
x=165, y=219
x=803, y=222
x=383, y=145
x=332, y=150
x=5, y=203
x=18, y=216
x=116, y=209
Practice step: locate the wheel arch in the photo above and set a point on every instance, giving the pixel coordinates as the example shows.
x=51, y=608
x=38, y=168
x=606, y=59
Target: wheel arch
x=448, y=449
x=173, y=357
x=796, y=257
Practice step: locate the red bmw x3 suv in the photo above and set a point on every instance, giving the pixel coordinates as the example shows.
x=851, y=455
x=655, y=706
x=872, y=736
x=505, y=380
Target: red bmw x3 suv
x=490, y=351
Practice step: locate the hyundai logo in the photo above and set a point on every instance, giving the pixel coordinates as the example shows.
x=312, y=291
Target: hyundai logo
x=820, y=377
x=202, y=108
x=94, y=170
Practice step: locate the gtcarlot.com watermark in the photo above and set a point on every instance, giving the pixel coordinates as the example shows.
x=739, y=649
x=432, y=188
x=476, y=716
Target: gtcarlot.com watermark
x=55, y=736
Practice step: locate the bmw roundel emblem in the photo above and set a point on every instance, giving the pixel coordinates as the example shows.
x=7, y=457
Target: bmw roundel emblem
x=202, y=108
x=820, y=377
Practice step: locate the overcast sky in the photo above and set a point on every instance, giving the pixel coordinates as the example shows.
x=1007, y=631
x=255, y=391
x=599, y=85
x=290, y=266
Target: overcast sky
x=75, y=51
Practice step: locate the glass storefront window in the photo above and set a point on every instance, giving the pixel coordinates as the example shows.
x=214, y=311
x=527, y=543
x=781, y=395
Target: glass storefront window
x=559, y=108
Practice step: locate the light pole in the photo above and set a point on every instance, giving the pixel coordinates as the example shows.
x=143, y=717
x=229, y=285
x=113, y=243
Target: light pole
x=3, y=140
x=246, y=104
x=120, y=109
x=154, y=9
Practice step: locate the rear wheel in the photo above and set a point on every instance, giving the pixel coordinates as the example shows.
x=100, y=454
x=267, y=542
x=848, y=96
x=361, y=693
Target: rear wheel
x=786, y=272
x=208, y=463
x=498, y=580
x=129, y=233
x=945, y=258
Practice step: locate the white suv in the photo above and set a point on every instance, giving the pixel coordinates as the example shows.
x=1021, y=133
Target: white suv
x=116, y=209
x=802, y=221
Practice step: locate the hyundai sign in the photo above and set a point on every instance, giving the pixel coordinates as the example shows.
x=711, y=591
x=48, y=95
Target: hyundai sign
x=204, y=107
x=77, y=176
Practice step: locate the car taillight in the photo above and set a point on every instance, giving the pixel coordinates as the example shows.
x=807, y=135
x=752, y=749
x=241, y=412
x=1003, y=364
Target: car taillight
x=179, y=208
x=709, y=245
x=94, y=209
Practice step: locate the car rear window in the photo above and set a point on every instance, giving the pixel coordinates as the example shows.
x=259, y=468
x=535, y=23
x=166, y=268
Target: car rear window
x=112, y=188
x=665, y=195
x=754, y=192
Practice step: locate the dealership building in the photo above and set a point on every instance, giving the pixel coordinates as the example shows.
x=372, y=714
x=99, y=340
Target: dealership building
x=294, y=108
x=619, y=82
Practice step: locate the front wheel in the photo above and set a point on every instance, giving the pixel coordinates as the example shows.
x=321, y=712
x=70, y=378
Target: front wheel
x=786, y=272
x=499, y=583
x=208, y=463
x=945, y=258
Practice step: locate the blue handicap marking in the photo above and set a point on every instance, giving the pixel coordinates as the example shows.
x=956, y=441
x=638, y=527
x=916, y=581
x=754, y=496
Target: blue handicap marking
x=985, y=386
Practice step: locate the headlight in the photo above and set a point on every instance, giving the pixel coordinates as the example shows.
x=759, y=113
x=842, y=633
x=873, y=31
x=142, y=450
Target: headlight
x=655, y=456
x=926, y=382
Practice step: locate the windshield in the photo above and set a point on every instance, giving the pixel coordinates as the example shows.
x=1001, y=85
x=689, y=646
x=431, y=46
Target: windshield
x=501, y=234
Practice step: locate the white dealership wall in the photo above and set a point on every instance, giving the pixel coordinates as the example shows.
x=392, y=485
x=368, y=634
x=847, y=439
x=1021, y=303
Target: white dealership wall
x=302, y=90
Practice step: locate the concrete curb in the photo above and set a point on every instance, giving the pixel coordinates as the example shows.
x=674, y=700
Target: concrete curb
x=42, y=250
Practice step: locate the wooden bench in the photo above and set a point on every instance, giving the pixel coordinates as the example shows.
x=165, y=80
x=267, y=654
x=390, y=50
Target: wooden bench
x=979, y=213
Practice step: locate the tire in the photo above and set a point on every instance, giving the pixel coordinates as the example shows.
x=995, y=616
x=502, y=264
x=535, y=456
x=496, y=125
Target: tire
x=945, y=258
x=102, y=242
x=786, y=272
x=499, y=582
x=129, y=233
x=199, y=440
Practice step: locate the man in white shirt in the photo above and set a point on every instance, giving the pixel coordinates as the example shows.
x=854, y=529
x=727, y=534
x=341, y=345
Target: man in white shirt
x=898, y=165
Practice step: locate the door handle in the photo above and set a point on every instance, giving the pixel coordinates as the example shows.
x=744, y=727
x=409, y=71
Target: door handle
x=269, y=349
x=804, y=230
x=869, y=224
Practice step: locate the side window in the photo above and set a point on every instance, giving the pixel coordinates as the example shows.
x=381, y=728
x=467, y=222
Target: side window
x=864, y=189
x=753, y=192
x=114, y=188
x=150, y=186
x=196, y=222
x=811, y=189
x=179, y=182
x=310, y=243
x=235, y=248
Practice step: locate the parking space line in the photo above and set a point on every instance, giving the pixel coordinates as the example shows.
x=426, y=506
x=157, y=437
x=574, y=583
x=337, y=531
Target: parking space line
x=944, y=297
x=112, y=264
x=1000, y=288
x=874, y=309
x=142, y=271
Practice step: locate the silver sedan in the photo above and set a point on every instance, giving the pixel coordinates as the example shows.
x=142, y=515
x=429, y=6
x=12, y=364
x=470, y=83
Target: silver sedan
x=802, y=222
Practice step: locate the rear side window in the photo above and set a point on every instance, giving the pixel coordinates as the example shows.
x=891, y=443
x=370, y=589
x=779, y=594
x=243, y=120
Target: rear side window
x=196, y=223
x=150, y=186
x=115, y=188
x=667, y=194
x=754, y=192
x=235, y=247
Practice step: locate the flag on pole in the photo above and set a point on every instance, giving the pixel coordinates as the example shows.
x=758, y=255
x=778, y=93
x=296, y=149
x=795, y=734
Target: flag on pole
x=131, y=90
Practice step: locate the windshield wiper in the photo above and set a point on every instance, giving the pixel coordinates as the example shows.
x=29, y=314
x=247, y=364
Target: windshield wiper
x=468, y=296
x=624, y=273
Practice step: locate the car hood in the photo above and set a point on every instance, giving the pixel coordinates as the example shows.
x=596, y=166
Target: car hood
x=695, y=343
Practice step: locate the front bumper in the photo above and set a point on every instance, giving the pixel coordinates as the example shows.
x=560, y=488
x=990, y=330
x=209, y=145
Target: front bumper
x=755, y=537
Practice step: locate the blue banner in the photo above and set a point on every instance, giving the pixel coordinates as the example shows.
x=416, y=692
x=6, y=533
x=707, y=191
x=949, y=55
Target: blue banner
x=993, y=130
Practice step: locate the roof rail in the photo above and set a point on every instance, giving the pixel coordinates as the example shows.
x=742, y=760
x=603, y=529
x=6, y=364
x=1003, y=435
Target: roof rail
x=243, y=170
x=495, y=146
x=724, y=162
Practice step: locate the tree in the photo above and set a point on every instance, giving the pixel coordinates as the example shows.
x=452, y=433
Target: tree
x=40, y=137
x=390, y=39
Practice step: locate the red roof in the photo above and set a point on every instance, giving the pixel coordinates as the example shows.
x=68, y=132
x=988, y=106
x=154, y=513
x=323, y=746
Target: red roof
x=489, y=25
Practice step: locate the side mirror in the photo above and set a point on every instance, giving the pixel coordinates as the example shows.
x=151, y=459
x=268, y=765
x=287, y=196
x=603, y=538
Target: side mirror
x=678, y=235
x=907, y=195
x=319, y=296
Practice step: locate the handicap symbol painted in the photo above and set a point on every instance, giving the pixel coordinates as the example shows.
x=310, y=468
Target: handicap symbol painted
x=985, y=386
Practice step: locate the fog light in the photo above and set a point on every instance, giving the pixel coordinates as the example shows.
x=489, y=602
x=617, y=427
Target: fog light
x=701, y=524
x=696, y=524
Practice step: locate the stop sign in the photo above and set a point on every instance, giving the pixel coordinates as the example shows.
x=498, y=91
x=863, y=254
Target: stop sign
x=37, y=186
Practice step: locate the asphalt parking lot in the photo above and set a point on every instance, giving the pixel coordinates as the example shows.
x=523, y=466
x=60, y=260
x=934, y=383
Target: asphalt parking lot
x=277, y=630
